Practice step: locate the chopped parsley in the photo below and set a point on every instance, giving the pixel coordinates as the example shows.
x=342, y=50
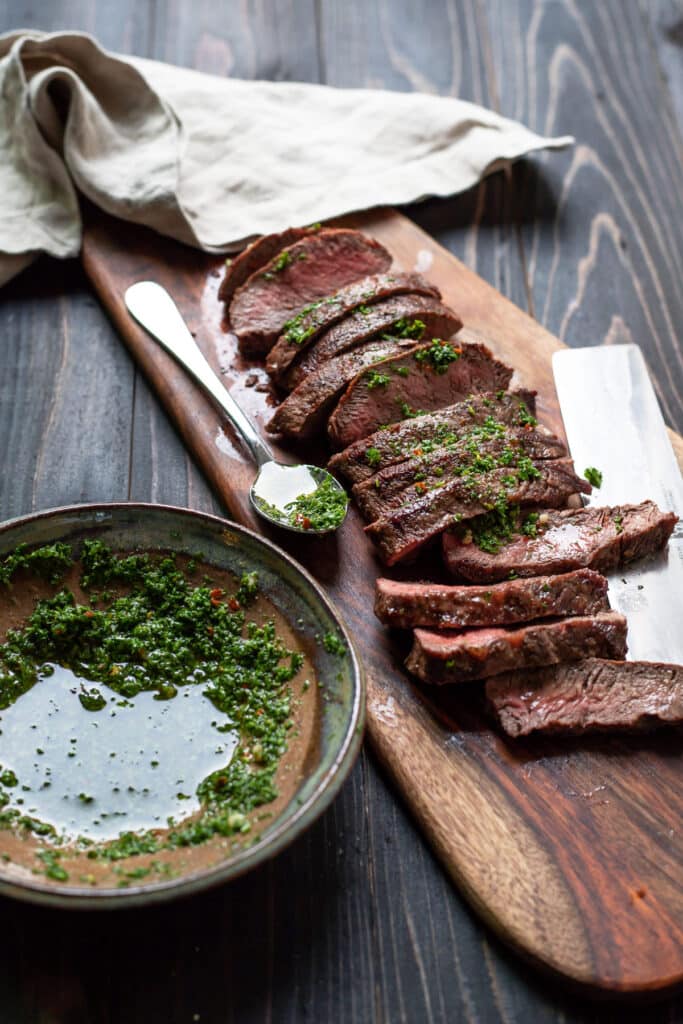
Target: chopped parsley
x=489, y=532
x=408, y=413
x=404, y=328
x=439, y=355
x=302, y=326
x=283, y=260
x=334, y=644
x=324, y=509
x=593, y=476
x=524, y=418
x=50, y=561
x=373, y=457
x=530, y=527
x=375, y=379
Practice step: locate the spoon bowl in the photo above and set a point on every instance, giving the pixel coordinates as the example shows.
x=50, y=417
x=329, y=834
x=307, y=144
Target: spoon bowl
x=304, y=499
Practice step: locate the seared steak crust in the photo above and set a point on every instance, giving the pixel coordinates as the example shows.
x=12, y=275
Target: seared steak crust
x=603, y=539
x=402, y=531
x=308, y=326
x=392, y=487
x=303, y=412
x=388, y=317
x=479, y=653
x=313, y=268
x=413, y=384
x=588, y=695
x=255, y=256
x=433, y=605
x=402, y=441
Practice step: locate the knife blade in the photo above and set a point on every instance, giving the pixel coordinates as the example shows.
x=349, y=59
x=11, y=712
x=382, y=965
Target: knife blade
x=613, y=422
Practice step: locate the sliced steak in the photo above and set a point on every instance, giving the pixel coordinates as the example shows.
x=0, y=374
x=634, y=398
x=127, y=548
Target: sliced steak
x=496, y=448
x=479, y=653
x=312, y=268
x=405, y=605
x=597, y=538
x=591, y=694
x=402, y=531
x=402, y=441
x=430, y=377
x=303, y=330
x=256, y=256
x=303, y=413
x=405, y=316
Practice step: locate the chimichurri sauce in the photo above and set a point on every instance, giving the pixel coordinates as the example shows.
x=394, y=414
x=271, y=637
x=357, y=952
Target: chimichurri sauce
x=322, y=509
x=108, y=680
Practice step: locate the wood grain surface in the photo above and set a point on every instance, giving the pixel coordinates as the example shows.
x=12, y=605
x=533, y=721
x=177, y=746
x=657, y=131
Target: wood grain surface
x=534, y=833
x=357, y=921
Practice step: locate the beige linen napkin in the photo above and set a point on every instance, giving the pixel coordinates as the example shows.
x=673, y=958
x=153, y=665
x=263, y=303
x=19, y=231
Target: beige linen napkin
x=214, y=161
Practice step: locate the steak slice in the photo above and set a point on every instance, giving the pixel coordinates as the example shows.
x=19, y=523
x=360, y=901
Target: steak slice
x=255, y=256
x=402, y=531
x=312, y=268
x=306, y=328
x=597, y=538
x=479, y=653
x=303, y=412
x=405, y=605
x=421, y=380
x=498, y=448
x=412, y=316
x=591, y=694
x=402, y=441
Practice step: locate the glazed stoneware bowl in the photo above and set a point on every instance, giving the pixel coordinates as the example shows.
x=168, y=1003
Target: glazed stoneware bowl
x=332, y=739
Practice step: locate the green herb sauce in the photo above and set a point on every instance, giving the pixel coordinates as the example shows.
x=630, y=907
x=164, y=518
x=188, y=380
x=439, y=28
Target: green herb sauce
x=439, y=355
x=147, y=627
x=373, y=457
x=323, y=509
x=375, y=379
x=404, y=328
x=283, y=260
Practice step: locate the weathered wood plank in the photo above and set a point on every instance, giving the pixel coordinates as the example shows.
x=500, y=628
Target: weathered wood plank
x=66, y=389
x=401, y=46
x=602, y=222
x=664, y=19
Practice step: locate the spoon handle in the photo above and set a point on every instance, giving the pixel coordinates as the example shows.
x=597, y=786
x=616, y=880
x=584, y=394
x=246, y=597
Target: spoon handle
x=153, y=307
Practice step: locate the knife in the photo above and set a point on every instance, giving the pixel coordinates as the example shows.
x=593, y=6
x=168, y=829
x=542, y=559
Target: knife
x=613, y=423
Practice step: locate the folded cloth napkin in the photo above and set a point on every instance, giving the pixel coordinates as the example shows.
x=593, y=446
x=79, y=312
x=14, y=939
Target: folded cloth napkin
x=215, y=161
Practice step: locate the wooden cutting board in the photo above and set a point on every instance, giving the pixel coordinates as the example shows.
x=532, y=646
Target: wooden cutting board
x=571, y=850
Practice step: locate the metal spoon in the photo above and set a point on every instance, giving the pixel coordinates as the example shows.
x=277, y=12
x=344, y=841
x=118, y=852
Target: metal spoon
x=276, y=485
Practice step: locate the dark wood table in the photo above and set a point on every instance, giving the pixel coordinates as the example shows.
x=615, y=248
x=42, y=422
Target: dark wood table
x=356, y=922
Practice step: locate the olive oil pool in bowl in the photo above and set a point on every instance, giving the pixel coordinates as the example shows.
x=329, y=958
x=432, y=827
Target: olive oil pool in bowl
x=178, y=701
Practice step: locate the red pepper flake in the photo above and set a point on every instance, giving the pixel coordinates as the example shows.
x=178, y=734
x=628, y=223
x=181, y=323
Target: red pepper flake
x=260, y=711
x=233, y=604
x=421, y=486
x=89, y=615
x=215, y=595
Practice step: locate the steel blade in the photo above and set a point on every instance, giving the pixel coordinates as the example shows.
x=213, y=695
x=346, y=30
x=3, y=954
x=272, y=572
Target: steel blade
x=614, y=423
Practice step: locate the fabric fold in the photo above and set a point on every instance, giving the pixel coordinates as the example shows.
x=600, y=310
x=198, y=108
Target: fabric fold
x=213, y=162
